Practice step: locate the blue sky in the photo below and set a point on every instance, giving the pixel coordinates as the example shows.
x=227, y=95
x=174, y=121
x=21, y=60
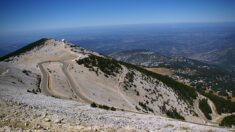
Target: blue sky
x=20, y=16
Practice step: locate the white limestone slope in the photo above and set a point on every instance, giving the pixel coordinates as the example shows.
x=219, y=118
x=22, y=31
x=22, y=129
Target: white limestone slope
x=77, y=87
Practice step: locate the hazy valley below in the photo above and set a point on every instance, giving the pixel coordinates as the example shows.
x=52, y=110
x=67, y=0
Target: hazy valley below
x=209, y=43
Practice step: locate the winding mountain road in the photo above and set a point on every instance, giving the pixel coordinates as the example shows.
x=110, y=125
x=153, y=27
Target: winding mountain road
x=46, y=89
x=73, y=84
x=198, y=111
x=45, y=81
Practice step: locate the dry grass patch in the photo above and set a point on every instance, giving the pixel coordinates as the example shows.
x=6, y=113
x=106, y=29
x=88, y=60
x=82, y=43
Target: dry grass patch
x=184, y=128
x=162, y=71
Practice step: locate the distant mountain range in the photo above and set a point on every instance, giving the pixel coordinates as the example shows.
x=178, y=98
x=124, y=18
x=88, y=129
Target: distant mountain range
x=201, y=75
x=211, y=43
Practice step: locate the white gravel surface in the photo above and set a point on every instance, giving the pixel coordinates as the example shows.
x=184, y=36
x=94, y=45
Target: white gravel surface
x=77, y=115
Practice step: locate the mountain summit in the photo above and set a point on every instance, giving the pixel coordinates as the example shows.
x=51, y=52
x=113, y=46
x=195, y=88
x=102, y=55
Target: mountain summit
x=64, y=84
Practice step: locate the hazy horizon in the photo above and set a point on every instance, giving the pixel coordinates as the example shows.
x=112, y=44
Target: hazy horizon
x=20, y=17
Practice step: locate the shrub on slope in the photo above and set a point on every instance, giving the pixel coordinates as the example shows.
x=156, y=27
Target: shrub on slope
x=174, y=114
x=106, y=65
x=205, y=108
x=222, y=105
x=228, y=121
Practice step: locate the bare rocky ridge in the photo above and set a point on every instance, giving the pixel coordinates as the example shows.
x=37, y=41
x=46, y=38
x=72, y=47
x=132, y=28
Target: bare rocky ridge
x=49, y=90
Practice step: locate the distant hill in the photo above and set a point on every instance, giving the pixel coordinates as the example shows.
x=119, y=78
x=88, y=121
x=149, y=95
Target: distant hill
x=140, y=57
x=224, y=58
